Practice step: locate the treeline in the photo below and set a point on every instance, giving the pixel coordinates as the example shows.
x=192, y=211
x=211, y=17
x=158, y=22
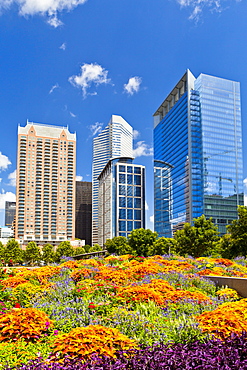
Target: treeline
x=12, y=253
x=197, y=240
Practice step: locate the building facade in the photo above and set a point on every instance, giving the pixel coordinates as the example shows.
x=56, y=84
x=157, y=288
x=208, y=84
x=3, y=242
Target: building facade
x=10, y=209
x=116, y=140
x=197, y=130
x=121, y=204
x=45, y=189
x=83, y=211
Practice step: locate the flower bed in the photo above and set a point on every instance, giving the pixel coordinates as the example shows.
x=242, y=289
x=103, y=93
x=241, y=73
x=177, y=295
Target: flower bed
x=102, y=307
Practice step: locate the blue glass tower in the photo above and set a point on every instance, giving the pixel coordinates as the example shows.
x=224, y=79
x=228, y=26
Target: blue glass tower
x=197, y=131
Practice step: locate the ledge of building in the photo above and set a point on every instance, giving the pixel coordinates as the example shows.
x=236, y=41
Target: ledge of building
x=237, y=283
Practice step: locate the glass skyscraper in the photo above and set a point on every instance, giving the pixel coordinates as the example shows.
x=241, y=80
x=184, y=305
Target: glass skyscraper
x=116, y=140
x=197, y=134
x=121, y=199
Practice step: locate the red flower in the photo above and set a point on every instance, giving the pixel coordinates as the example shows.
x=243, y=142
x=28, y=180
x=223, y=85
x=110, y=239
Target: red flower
x=17, y=305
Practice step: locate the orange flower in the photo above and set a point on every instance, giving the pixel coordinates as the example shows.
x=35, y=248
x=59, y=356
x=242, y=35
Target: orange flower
x=27, y=323
x=92, y=339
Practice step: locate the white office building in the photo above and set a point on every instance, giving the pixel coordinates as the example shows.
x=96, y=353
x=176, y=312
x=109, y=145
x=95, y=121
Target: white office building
x=116, y=140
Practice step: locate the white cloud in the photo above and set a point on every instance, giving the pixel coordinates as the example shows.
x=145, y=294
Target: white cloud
x=12, y=178
x=72, y=114
x=4, y=162
x=142, y=149
x=78, y=178
x=4, y=197
x=90, y=74
x=146, y=206
x=197, y=6
x=48, y=8
x=136, y=134
x=56, y=86
x=151, y=219
x=96, y=128
x=133, y=85
x=63, y=46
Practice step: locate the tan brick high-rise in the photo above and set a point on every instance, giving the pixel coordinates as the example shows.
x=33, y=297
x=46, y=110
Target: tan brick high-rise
x=45, y=188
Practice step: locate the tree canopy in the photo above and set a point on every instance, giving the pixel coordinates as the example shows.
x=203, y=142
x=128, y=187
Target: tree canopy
x=141, y=240
x=237, y=245
x=197, y=240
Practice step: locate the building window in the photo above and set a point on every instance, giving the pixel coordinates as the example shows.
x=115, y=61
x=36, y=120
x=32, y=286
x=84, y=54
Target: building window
x=122, y=190
x=122, y=202
x=137, y=180
x=137, y=214
x=137, y=191
x=122, y=225
x=137, y=202
x=121, y=168
x=130, y=202
x=122, y=213
x=122, y=178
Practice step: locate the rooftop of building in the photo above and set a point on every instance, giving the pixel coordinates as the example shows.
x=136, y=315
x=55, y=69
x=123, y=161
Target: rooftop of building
x=46, y=130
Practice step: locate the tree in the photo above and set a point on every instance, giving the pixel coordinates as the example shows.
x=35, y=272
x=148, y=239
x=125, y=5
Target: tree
x=2, y=251
x=64, y=249
x=198, y=240
x=95, y=248
x=13, y=252
x=163, y=246
x=79, y=250
x=141, y=241
x=238, y=231
x=87, y=248
x=48, y=255
x=32, y=253
x=118, y=245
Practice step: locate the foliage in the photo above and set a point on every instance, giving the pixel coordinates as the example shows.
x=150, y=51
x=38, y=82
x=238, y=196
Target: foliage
x=48, y=255
x=95, y=248
x=2, y=251
x=163, y=246
x=87, y=248
x=79, y=250
x=201, y=355
x=13, y=252
x=26, y=323
x=32, y=253
x=63, y=249
x=118, y=245
x=238, y=231
x=197, y=240
x=158, y=299
x=141, y=240
x=20, y=352
x=227, y=318
x=92, y=339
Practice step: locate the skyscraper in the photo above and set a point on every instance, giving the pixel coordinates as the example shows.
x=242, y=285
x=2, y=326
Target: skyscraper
x=10, y=209
x=116, y=140
x=45, y=190
x=197, y=133
x=83, y=211
x=121, y=193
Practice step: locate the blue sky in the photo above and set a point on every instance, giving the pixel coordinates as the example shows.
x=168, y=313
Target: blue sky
x=77, y=62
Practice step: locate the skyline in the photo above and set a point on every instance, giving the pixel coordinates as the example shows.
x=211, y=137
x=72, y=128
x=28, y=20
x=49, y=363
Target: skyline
x=108, y=58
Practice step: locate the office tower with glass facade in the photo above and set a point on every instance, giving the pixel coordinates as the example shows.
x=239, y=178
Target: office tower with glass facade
x=121, y=204
x=116, y=140
x=45, y=189
x=197, y=133
x=83, y=211
x=10, y=209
